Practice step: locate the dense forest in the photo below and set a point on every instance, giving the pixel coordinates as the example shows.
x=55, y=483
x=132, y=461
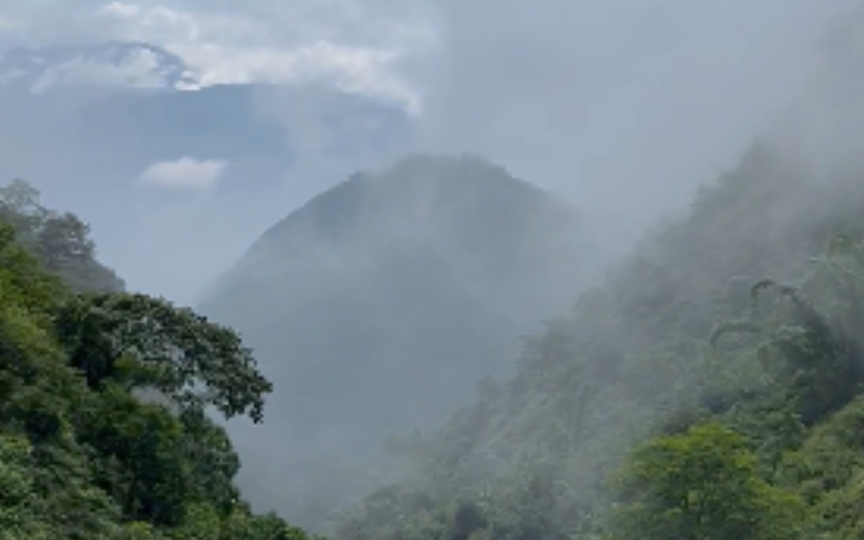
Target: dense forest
x=708, y=385
x=106, y=398
x=710, y=388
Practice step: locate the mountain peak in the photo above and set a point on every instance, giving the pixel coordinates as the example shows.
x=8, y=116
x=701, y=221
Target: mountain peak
x=425, y=273
x=420, y=193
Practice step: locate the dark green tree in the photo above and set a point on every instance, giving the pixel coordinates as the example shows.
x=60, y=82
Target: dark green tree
x=149, y=344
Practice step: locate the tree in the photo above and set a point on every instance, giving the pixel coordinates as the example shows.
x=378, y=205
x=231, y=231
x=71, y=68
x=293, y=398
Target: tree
x=701, y=485
x=63, y=240
x=18, y=498
x=84, y=452
x=19, y=205
x=147, y=343
x=808, y=333
x=208, y=449
x=142, y=465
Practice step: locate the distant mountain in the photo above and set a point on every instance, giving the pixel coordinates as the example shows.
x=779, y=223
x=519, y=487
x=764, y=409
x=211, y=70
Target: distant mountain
x=123, y=64
x=64, y=131
x=378, y=306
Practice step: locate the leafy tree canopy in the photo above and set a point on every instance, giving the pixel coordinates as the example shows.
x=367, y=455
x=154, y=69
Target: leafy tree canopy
x=104, y=431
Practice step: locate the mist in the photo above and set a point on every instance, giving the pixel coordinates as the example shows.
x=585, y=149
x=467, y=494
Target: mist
x=645, y=99
x=589, y=101
x=625, y=118
x=424, y=274
x=369, y=298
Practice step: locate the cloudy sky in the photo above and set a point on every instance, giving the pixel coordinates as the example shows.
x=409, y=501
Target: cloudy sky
x=622, y=106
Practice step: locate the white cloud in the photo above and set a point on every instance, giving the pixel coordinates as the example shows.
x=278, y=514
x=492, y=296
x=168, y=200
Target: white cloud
x=162, y=24
x=358, y=71
x=226, y=48
x=141, y=70
x=185, y=173
x=362, y=48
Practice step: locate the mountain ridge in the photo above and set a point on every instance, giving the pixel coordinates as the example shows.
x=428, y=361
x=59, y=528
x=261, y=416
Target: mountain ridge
x=427, y=272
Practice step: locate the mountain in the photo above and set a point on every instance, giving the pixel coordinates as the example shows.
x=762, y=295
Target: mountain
x=376, y=308
x=284, y=142
x=710, y=387
x=540, y=456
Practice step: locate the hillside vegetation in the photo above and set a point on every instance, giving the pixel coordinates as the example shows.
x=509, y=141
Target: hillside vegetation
x=710, y=389
x=61, y=241
x=85, y=454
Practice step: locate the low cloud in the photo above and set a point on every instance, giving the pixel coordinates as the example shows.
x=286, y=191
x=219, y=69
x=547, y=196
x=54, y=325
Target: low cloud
x=184, y=173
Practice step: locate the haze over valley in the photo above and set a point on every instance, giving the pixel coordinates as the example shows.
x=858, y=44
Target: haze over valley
x=434, y=271
x=283, y=116
x=443, y=261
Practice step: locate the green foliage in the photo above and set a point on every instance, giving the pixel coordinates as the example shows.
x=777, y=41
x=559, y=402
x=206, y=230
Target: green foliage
x=143, y=442
x=61, y=241
x=808, y=335
x=242, y=526
x=146, y=342
x=675, y=344
x=703, y=484
x=18, y=499
x=85, y=452
x=744, y=402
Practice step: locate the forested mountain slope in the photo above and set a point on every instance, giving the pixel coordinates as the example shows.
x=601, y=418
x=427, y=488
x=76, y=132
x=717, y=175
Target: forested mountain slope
x=538, y=457
x=710, y=388
x=61, y=241
x=376, y=308
x=82, y=456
